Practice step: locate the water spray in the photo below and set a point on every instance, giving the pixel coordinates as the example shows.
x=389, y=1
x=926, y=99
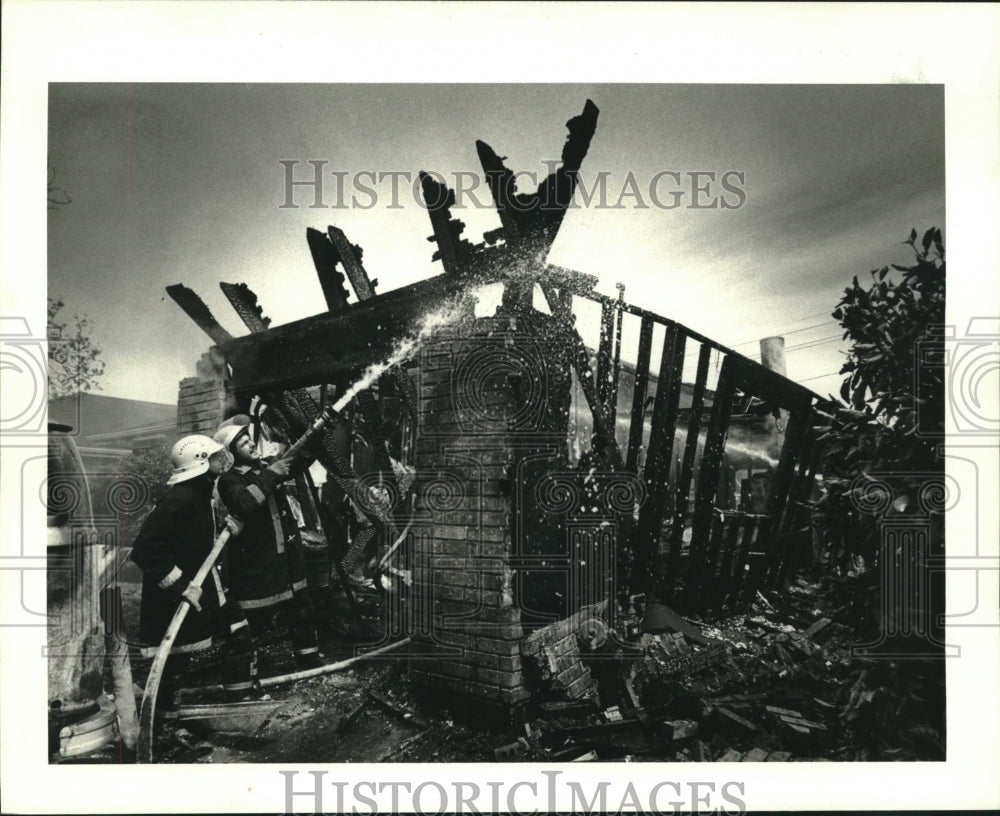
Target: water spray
x=403, y=350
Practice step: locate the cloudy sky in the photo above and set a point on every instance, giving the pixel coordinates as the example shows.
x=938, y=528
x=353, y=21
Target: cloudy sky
x=181, y=183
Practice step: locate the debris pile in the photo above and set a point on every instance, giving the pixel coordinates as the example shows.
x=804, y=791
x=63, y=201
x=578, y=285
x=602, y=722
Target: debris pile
x=770, y=685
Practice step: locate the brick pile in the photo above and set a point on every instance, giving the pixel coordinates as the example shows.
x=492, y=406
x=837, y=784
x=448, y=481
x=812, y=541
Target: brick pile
x=552, y=655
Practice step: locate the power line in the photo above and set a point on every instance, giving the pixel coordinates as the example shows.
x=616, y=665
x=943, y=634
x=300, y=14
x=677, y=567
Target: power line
x=693, y=352
x=785, y=334
x=819, y=342
x=782, y=325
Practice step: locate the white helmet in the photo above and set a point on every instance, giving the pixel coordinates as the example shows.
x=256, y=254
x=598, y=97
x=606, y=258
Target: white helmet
x=228, y=433
x=189, y=456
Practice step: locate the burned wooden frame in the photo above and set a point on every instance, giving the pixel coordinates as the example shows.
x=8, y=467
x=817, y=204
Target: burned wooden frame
x=681, y=547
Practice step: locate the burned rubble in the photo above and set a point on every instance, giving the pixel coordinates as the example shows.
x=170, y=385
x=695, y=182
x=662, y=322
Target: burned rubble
x=773, y=684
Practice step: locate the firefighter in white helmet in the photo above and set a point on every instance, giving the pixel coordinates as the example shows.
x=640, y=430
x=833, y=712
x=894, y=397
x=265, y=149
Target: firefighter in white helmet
x=172, y=544
x=267, y=567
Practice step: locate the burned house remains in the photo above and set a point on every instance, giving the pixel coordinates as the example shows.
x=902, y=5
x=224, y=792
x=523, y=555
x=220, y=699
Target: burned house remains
x=526, y=485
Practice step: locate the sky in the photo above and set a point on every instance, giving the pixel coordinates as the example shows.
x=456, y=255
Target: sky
x=183, y=183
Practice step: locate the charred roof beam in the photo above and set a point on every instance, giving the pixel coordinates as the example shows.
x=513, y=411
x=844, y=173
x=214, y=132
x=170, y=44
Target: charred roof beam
x=532, y=220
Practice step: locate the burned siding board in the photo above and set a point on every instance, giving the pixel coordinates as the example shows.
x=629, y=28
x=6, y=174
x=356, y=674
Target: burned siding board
x=331, y=280
x=534, y=219
x=708, y=477
x=617, y=369
x=797, y=507
x=735, y=525
x=738, y=548
x=684, y=478
x=604, y=357
x=795, y=436
x=604, y=427
x=453, y=251
x=639, y=394
x=244, y=301
x=195, y=308
x=312, y=350
x=350, y=258
x=656, y=471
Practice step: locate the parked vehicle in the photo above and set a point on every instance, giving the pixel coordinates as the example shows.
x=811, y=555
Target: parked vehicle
x=86, y=642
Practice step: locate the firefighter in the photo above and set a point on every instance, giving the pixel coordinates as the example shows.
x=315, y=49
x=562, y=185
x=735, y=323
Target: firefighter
x=172, y=544
x=267, y=568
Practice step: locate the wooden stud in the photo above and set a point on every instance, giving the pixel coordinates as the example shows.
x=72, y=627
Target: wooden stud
x=656, y=471
x=639, y=395
x=708, y=476
x=683, y=490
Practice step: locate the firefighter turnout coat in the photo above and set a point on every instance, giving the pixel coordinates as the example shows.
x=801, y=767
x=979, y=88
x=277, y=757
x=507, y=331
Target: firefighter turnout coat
x=172, y=544
x=267, y=561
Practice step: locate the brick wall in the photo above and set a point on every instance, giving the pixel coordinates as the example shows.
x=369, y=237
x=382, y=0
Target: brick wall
x=491, y=396
x=202, y=400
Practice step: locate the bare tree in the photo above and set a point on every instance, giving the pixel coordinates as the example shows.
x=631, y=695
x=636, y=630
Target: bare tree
x=75, y=363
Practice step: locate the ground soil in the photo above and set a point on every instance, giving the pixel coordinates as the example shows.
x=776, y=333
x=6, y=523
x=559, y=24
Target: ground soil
x=723, y=692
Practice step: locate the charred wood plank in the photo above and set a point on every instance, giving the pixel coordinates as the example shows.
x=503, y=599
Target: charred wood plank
x=533, y=219
x=741, y=557
x=350, y=258
x=736, y=526
x=772, y=387
x=639, y=389
x=795, y=435
x=797, y=498
x=396, y=709
x=605, y=354
x=708, y=478
x=712, y=569
x=656, y=471
x=244, y=301
x=617, y=368
x=664, y=588
x=453, y=251
x=756, y=560
x=195, y=308
x=604, y=427
x=331, y=280
x=314, y=350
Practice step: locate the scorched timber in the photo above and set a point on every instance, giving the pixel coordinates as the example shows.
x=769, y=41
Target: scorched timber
x=308, y=351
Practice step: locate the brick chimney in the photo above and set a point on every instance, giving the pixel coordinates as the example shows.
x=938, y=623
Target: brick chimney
x=493, y=419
